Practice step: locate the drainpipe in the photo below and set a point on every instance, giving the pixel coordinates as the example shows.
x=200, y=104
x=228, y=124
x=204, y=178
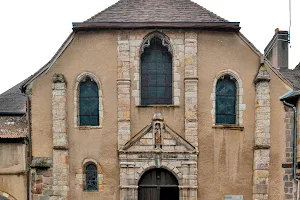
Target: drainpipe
x=29, y=156
x=294, y=139
x=298, y=190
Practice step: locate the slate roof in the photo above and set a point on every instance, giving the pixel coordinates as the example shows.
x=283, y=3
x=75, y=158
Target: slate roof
x=156, y=11
x=13, y=101
x=293, y=75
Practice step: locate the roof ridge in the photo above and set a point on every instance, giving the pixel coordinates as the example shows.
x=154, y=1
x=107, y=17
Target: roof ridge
x=155, y=10
x=94, y=16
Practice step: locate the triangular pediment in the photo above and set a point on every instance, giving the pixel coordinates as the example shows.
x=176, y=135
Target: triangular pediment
x=158, y=136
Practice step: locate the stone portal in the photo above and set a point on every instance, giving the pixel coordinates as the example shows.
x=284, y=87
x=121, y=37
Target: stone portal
x=157, y=147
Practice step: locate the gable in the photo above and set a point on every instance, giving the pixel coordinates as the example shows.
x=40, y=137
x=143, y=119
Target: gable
x=158, y=136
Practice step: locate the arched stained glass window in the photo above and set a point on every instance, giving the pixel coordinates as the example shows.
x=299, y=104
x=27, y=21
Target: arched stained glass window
x=88, y=103
x=226, y=92
x=91, y=177
x=156, y=74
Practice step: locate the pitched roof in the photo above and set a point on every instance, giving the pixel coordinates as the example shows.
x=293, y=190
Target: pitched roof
x=156, y=11
x=13, y=101
x=293, y=75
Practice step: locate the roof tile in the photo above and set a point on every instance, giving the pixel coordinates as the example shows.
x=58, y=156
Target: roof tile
x=155, y=11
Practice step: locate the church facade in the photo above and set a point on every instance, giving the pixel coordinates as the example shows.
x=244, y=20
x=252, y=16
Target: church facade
x=179, y=105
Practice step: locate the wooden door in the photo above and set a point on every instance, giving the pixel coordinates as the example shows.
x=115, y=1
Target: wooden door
x=158, y=184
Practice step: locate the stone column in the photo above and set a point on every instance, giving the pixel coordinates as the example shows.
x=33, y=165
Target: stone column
x=123, y=84
x=60, y=138
x=262, y=136
x=191, y=88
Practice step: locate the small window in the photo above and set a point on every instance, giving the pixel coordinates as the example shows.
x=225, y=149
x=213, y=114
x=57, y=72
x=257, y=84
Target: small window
x=91, y=177
x=88, y=103
x=226, y=93
x=156, y=73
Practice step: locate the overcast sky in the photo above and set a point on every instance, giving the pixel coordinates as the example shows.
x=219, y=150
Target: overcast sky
x=33, y=30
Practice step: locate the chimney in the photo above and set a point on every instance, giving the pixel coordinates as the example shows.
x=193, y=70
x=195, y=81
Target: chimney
x=277, y=51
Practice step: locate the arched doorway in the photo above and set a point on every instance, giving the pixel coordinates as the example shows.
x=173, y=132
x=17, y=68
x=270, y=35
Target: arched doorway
x=158, y=184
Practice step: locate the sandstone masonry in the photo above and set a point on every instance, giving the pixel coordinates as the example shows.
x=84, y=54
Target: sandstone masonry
x=262, y=136
x=60, y=139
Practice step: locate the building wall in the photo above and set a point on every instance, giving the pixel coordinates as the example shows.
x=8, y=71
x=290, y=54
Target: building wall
x=278, y=138
x=225, y=160
x=93, y=52
x=226, y=155
x=13, y=152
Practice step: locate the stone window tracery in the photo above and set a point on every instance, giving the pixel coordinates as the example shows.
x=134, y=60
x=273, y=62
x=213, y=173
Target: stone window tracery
x=156, y=71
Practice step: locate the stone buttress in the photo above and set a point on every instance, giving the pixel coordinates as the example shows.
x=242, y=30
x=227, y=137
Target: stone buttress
x=262, y=136
x=123, y=84
x=191, y=88
x=60, y=138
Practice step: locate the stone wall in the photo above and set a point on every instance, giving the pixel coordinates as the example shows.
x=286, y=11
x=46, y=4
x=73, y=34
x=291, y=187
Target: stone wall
x=288, y=165
x=261, y=160
x=191, y=87
x=41, y=183
x=60, y=138
x=123, y=84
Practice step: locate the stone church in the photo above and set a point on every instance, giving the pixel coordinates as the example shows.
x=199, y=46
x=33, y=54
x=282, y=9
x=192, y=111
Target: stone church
x=154, y=100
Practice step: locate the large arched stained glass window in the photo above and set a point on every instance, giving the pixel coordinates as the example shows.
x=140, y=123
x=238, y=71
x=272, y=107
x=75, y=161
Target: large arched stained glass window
x=91, y=177
x=156, y=74
x=226, y=92
x=88, y=103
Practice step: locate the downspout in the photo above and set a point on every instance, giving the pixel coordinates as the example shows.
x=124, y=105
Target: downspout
x=294, y=139
x=29, y=157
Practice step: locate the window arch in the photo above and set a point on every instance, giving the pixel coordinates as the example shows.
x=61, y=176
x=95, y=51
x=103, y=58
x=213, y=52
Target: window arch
x=91, y=177
x=88, y=101
x=226, y=91
x=227, y=99
x=156, y=71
